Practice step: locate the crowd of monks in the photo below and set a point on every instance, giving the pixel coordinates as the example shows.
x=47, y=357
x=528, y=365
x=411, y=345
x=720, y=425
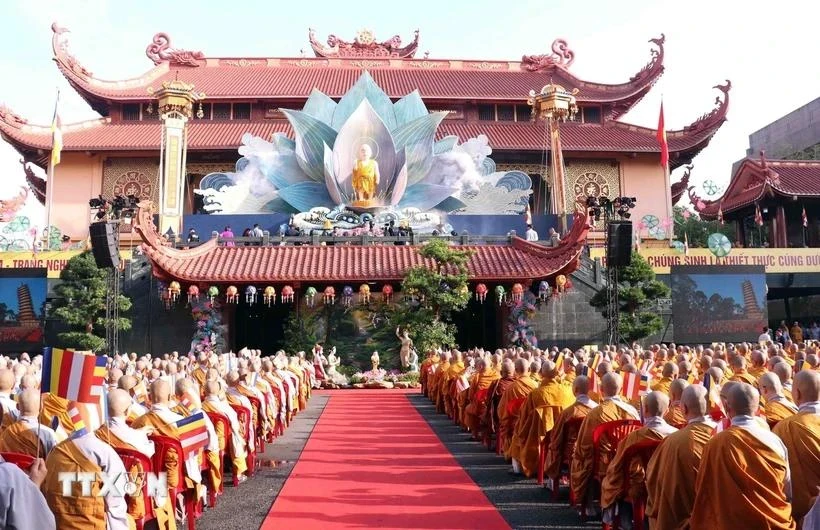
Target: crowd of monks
x=247, y=400
x=722, y=437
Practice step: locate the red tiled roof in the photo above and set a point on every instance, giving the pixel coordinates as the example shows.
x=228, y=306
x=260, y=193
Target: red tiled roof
x=520, y=260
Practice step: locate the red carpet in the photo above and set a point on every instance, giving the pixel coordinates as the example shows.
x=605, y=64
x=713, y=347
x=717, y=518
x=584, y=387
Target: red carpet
x=373, y=462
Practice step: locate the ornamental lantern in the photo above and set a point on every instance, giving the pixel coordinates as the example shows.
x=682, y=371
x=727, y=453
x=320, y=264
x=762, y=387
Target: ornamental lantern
x=517, y=292
x=193, y=294
x=269, y=295
x=387, y=291
x=560, y=283
x=481, y=292
x=364, y=294
x=287, y=294
x=347, y=296
x=250, y=294
x=499, y=293
x=174, y=289
x=213, y=292
x=310, y=296
x=543, y=291
x=232, y=294
x=330, y=295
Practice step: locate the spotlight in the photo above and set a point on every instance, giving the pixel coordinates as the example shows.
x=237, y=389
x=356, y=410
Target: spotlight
x=97, y=202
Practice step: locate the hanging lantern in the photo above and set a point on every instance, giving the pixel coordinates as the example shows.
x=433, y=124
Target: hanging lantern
x=250, y=294
x=560, y=283
x=347, y=296
x=269, y=295
x=166, y=298
x=364, y=294
x=481, y=292
x=517, y=292
x=543, y=290
x=310, y=296
x=193, y=294
x=232, y=294
x=387, y=291
x=162, y=289
x=499, y=293
x=287, y=294
x=330, y=295
x=213, y=292
x=174, y=289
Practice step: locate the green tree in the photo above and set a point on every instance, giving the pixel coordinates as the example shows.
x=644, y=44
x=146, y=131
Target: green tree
x=638, y=294
x=439, y=291
x=300, y=332
x=80, y=304
x=698, y=230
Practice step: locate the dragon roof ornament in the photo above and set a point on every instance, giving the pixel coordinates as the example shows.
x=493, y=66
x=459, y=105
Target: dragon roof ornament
x=364, y=45
x=561, y=57
x=59, y=46
x=655, y=64
x=716, y=115
x=160, y=51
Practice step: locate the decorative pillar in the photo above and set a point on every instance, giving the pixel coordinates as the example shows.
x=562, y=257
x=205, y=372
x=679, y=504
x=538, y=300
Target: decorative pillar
x=781, y=234
x=175, y=101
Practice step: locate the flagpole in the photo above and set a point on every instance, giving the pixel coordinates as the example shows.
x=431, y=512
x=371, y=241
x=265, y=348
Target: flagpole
x=49, y=192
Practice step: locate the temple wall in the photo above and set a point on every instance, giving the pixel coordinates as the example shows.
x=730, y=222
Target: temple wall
x=643, y=178
x=77, y=179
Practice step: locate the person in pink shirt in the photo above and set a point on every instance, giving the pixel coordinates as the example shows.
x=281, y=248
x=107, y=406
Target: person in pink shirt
x=227, y=234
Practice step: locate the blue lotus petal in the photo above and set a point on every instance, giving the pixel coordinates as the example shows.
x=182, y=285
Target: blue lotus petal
x=306, y=195
x=282, y=142
x=425, y=196
x=330, y=178
x=417, y=137
x=283, y=170
x=364, y=89
x=487, y=166
x=514, y=180
x=320, y=106
x=216, y=181
x=280, y=206
x=409, y=108
x=445, y=145
x=311, y=137
x=400, y=186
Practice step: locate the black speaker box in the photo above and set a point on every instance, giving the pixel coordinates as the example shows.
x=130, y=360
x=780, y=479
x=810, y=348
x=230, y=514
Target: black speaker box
x=619, y=244
x=105, y=244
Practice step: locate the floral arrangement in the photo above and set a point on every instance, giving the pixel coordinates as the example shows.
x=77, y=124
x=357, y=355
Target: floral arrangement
x=519, y=331
x=377, y=375
x=209, y=328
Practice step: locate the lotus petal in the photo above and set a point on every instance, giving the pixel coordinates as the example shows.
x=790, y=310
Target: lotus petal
x=320, y=106
x=445, y=145
x=311, y=137
x=399, y=186
x=425, y=196
x=364, y=89
x=282, y=142
x=283, y=170
x=364, y=126
x=279, y=205
x=330, y=177
x=306, y=195
x=409, y=108
x=417, y=137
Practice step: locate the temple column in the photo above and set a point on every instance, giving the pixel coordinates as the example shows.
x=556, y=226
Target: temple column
x=781, y=236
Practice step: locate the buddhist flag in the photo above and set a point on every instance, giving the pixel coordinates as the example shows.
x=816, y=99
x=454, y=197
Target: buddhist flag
x=805, y=218
x=86, y=417
x=56, y=134
x=643, y=385
x=193, y=435
x=75, y=376
x=595, y=362
x=559, y=361
x=758, y=216
x=631, y=389
x=662, y=140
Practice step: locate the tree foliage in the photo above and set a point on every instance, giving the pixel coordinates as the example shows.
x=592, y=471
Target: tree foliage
x=698, y=230
x=638, y=295
x=80, y=305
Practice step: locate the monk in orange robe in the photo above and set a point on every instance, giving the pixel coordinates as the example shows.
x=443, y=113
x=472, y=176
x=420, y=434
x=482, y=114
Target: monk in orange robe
x=536, y=418
x=669, y=374
x=446, y=390
x=214, y=405
x=673, y=469
x=611, y=408
x=562, y=439
x=426, y=371
x=801, y=435
x=56, y=406
x=745, y=454
x=8, y=407
x=739, y=373
x=778, y=407
x=26, y=435
x=511, y=402
x=675, y=416
x=490, y=422
x=655, y=405
x=434, y=381
x=478, y=396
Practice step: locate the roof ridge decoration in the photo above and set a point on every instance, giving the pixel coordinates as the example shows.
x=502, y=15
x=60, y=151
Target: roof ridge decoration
x=363, y=45
x=160, y=51
x=682, y=185
x=561, y=57
x=59, y=46
x=655, y=60
x=9, y=116
x=716, y=115
x=36, y=184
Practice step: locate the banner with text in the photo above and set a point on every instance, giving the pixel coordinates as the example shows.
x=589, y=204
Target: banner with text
x=53, y=261
x=776, y=260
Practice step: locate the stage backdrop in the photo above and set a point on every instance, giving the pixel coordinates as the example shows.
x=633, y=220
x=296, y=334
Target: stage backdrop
x=22, y=301
x=718, y=304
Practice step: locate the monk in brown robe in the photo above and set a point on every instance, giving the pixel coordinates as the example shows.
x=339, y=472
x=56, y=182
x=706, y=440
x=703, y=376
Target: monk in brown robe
x=508, y=411
x=801, y=435
x=674, y=415
x=478, y=396
x=611, y=408
x=669, y=374
x=784, y=372
x=778, y=407
x=436, y=376
x=446, y=395
x=536, y=418
x=426, y=370
x=655, y=405
x=26, y=435
x=497, y=388
x=562, y=439
x=673, y=469
x=745, y=454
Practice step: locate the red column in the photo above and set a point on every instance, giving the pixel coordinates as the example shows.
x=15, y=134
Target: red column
x=780, y=233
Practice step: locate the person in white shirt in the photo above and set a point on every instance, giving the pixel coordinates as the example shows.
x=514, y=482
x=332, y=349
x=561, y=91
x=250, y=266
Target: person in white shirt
x=531, y=234
x=765, y=336
x=22, y=505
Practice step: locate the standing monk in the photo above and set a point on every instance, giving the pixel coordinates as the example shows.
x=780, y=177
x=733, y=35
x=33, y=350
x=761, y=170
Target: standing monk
x=563, y=436
x=478, y=396
x=744, y=455
x=511, y=402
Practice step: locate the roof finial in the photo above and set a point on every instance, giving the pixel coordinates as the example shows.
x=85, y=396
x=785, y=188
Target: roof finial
x=427, y=54
x=763, y=163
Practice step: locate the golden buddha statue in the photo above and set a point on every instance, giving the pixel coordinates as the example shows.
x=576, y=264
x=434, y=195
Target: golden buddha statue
x=365, y=177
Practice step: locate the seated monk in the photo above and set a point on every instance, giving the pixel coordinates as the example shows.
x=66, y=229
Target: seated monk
x=85, y=453
x=610, y=409
x=778, y=407
x=739, y=374
x=536, y=419
x=673, y=469
x=8, y=407
x=604, y=367
x=119, y=435
x=27, y=435
x=563, y=437
x=478, y=396
x=674, y=415
x=784, y=373
x=669, y=374
x=130, y=384
x=518, y=390
x=213, y=404
x=749, y=455
x=655, y=405
x=801, y=436
x=54, y=406
x=235, y=398
x=200, y=373
x=758, y=368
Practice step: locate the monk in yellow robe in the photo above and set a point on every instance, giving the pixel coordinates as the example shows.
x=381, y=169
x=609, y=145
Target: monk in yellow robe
x=758, y=367
x=511, y=403
x=739, y=373
x=56, y=406
x=777, y=407
x=436, y=376
x=365, y=176
x=425, y=371
x=675, y=416
x=536, y=418
x=26, y=435
x=295, y=369
x=611, y=408
x=238, y=453
x=562, y=438
x=478, y=396
x=604, y=367
x=673, y=469
x=447, y=392
x=8, y=407
x=188, y=404
x=655, y=405
x=801, y=435
x=745, y=454
x=669, y=374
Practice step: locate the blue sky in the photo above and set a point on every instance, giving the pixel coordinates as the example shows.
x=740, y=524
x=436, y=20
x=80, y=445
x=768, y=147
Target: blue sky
x=8, y=292
x=767, y=50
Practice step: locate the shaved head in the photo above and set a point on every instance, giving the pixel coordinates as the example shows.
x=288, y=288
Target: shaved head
x=118, y=402
x=522, y=366
x=211, y=388
x=611, y=384
x=548, y=370
x=580, y=386
x=806, y=387
x=655, y=404
x=676, y=388
x=507, y=368
x=160, y=392
x=7, y=380
x=694, y=401
x=783, y=371
x=29, y=402
x=770, y=385
x=742, y=400
x=670, y=370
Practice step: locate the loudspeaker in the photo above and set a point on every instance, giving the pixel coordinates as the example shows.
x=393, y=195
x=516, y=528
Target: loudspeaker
x=619, y=243
x=105, y=244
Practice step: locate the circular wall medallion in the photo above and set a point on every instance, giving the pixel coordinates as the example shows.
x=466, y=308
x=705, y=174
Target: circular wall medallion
x=134, y=183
